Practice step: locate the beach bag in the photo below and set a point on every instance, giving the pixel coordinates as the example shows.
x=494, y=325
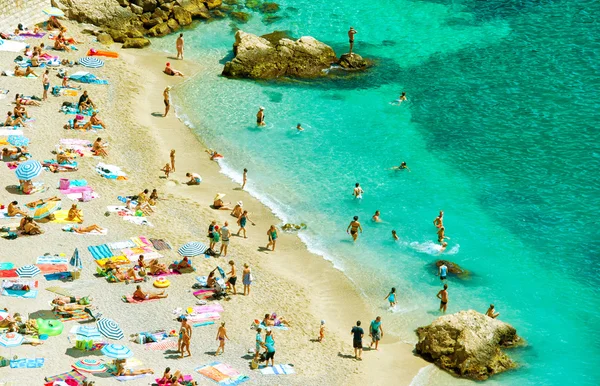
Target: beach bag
x=11, y=236
x=56, y=92
x=254, y=365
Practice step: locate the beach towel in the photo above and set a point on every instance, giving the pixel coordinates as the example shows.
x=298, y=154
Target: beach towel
x=68, y=228
x=80, y=315
x=10, y=283
x=52, y=259
x=10, y=132
x=58, y=276
x=125, y=378
x=204, y=293
x=278, y=370
x=30, y=34
x=9, y=273
x=141, y=241
x=32, y=294
x=109, y=171
x=12, y=46
x=186, y=378
x=119, y=260
x=7, y=265
x=86, y=77
x=130, y=299
x=12, y=74
x=52, y=268
x=118, y=245
x=204, y=317
x=76, y=189
x=138, y=220
x=79, y=196
x=201, y=324
x=121, y=211
x=136, y=251
x=75, y=142
x=26, y=363
x=100, y=251
x=222, y=373
x=60, y=217
x=59, y=291
x=161, y=346
x=68, y=375
x=215, y=307
x=160, y=244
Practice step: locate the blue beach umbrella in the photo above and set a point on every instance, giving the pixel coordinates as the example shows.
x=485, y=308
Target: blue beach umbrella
x=76, y=260
x=28, y=170
x=116, y=351
x=11, y=339
x=192, y=249
x=88, y=332
x=91, y=62
x=28, y=271
x=110, y=329
x=53, y=11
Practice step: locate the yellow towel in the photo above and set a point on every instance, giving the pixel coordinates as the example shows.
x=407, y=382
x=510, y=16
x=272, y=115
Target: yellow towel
x=60, y=216
x=115, y=259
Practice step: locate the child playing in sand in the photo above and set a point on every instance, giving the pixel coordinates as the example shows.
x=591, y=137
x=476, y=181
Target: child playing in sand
x=167, y=170
x=321, y=332
x=391, y=297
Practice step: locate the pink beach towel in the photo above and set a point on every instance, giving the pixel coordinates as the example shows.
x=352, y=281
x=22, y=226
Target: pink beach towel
x=130, y=299
x=204, y=317
x=208, y=308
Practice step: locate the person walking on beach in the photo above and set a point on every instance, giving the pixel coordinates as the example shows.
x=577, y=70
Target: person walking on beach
x=259, y=345
x=244, y=178
x=491, y=312
x=358, y=191
x=246, y=279
x=353, y=228
x=232, y=277
x=391, y=297
x=321, y=332
x=439, y=220
x=443, y=271
x=272, y=234
x=167, y=100
x=443, y=296
x=179, y=46
x=46, y=84
x=221, y=336
x=225, y=234
x=351, y=33
x=172, y=155
x=376, y=332
x=357, y=336
x=242, y=220
x=185, y=326
x=260, y=117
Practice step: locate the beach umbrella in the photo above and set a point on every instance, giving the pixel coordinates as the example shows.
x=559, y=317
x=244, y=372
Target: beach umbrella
x=110, y=329
x=91, y=62
x=90, y=366
x=28, y=271
x=116, y=351
x=11, y=339
x=192, y=249
x=18, y=140
x=88, y=332
x=76, y=260
x=28, y=170
x=53, y=11
x=46, y=209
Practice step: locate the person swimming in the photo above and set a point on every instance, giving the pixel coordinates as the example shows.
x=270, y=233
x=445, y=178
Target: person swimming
x=403, y=166
x=299, y=127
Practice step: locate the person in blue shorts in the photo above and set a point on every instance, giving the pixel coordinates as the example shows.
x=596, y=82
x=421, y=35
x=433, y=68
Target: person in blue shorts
x=391, y=297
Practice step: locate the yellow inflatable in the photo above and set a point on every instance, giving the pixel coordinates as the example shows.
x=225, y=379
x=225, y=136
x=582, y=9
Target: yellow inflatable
x=161, y=282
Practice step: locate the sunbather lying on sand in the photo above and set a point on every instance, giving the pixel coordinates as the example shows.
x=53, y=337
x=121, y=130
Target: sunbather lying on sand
x=88, y=229
x=17, y=121
x=273, y=320
x=13, y=210
x=70, y=307
x=75, y=214
x=64, y=300
x=94, y=121
x=24, y=71
x=122, y=371
x=122, y=276
x=171, y=71
x=9, y=322
x=141, y=295
x=25, y=101
x=41, y=201
x=98, y=147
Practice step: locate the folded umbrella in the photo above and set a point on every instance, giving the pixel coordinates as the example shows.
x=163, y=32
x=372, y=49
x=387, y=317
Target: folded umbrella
x=76, y=260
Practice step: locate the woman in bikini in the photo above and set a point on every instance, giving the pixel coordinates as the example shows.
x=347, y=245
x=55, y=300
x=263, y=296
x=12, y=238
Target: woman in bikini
x=221, y=336
x=25, y=101
x=13, y=122
x=353, y=228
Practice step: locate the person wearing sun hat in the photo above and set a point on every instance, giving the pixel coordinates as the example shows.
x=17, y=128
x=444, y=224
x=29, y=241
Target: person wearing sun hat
x=260, y=117
x=238, y=209
x=219, y=204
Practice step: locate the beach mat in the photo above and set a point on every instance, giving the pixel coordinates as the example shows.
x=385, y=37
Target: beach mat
x=278, y=370
x=125, y=378
x=58, y=276
x=160, y=244
x=161, y=346
x=130, y=299
x=118, y=245
x=100, y=251
x=60, y=217
x=216, y=307
x=80, y=315
x=52, y=259
x=59, y=291
x=7, y=266
x=68, y=375
x=222, y=373
x=27, y=363
x=52, y=268
x=31, y=294
x=9, y=273
x=204, y=317
x=141, y=241
x=119, y=260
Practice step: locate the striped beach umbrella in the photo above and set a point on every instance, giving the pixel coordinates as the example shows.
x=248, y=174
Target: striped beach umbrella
x=89, y=365
x=88, y=332
x=110, y=329
x=28, y=271
x=76, y=260
x=28, y=170
x=53, y=11
x=46, y=209
x=11, y=339
x=192, y=249
x=116, y=351
x=91, y=62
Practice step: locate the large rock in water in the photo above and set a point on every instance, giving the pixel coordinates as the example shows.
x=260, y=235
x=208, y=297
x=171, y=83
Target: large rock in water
x=353, y=62
x=98, y=12
x=258, y=58
x=468, y=344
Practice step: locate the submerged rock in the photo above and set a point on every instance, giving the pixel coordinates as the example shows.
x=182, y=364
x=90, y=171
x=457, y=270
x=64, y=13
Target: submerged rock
x=452, y=267
x=468, y=344
x=269, y=8
x=242, y=17
x=258, y=58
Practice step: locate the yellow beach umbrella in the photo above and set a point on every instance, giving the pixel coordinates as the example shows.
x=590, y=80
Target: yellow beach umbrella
x=46, y=209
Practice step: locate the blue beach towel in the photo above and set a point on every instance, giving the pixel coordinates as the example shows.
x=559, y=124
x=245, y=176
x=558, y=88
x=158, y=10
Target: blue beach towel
x=25, y=363
x=100, y=252
x=278, y=370
x=32, y=294
x=57, y=276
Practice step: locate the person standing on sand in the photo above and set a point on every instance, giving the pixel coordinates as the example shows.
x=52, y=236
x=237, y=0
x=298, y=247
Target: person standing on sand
x=46, y=84
x=439, y=220
x=272, y=234
x=321, y=332
x=443, y=271
x=443, y=296
x=232, y=277
x=221, y=336
x=247, y=279
x=167, y=100
x=353, y=228
x=351, y=33
x=270, y=346
x=259, y=344
x=172, y=155
x=357, y=333
x=244, y=178
x=225, y=234
x=185, y=326
x=179, y=46
x=376, y=332
x=260, y=117
x=358, y=191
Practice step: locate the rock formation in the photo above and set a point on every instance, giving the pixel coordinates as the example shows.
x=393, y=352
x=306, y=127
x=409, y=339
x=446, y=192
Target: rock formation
x=453, y=268
x=468, y=344
x=258, y=58
x=353, y=62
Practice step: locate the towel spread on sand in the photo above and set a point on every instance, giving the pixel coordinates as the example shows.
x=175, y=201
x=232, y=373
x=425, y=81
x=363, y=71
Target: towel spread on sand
x=130, y=299
x=86, y=77
x=222, y=373
x=138, y=220
x=52, y=268
x=110, y=171
x=125, y=378
x=52, y=259
x=6, y=265
x=79, y=196
x=27, y=363
x=120, y=210
x=160, y=244
x=118, y=245
x=9, y=273
x=136, y=251
x=141, y=241
x=68, y=375
x=278, y=370
x=32, y=294
x=59, y=291
x=60, y=217
x=8, y=132
x=103, y=232
x=58, y=276
x=100, y=251
x=72, y=315
x=4, y=214
x=119, y=260
x=161, y=346
x=12, y=73
x=204, y=317
x=12, y=46
x=215, y=307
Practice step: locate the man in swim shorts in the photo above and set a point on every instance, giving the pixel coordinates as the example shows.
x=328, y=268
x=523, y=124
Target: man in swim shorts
x=46, y=84
x=358, y=191
x=439, y=220
x=353, y=228
x=357, y=335
x=443, y=296
x=351, y=33
x=376, y=332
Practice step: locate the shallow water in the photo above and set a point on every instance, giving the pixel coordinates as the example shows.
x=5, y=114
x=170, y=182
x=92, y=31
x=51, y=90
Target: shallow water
x=500, y=131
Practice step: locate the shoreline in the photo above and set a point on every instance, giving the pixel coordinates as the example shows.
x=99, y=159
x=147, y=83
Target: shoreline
x=305, y=286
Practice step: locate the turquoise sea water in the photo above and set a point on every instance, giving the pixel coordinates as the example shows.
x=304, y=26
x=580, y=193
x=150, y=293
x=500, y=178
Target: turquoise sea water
x=500, y=131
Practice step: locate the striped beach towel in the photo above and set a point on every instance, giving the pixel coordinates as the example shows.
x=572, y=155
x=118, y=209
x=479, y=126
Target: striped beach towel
x=204, y=317
x=141, y=241
x=116, y=259
x=26, y=363
x=100, y=251
x=118, y=245
x=160, y=244
x=278, y=370
x=64, y=376
x=32, y=294
x=72, y=315
x=161, y=346
x=52, y=260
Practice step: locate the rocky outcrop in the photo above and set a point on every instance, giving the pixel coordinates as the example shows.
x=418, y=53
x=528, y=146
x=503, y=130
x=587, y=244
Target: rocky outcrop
x=353, y=62
x=182, y=16
x=258, y=58
x=161, y=29
x=105, y=13
x=452, y=267
x=468, y=344
x=104, y=38
x=136, y=43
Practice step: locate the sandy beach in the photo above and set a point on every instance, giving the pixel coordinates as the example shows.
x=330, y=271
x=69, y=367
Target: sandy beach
x=291, y=281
